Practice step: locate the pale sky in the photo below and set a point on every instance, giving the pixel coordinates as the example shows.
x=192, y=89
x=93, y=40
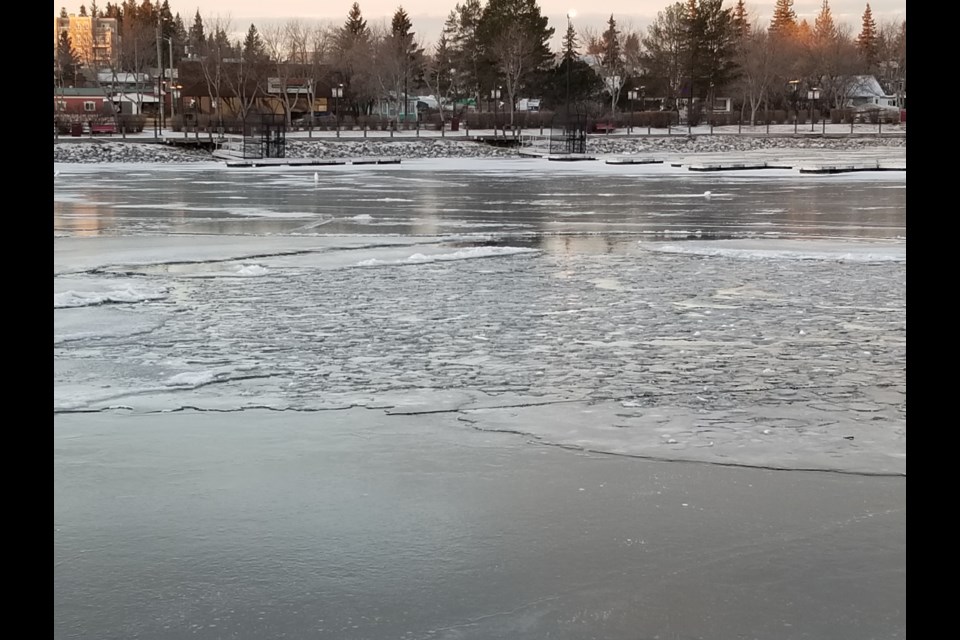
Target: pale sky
x=428, y=15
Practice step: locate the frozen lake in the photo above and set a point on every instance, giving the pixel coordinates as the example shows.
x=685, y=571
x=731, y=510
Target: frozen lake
x=436, y=321
x=763, y=323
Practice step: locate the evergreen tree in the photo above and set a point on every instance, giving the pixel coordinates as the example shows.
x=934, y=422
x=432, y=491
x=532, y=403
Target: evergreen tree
x=83, y=11
x=439, y=77
x=180, y=36
x=514, y=38
x=406, y=45
x=824, y=29
x=611, y=62
x=804, y=34
x=63, y=12
x=408, y=54
x=196, y=37
x=664, y=46
x=741, y=21
x=632, y=55
x=784, y=22
x=570, y=43
x=67, y=59
x=611, y=55
x=253, y=47
x=500, y=15
x=711, y=39
x=585, y=86
x=94, y=9
x=867, y=40
x=355, y=25
x=466, y=49
x=401, y=25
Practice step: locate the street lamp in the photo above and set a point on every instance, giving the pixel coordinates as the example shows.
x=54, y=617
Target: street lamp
x=711, y=107
x=174, y=96
x=643, y=105
x=495, y=96
x=337, y=94
x=632, y=95
x=169, y=42
x=793, y=85
x=813, y=95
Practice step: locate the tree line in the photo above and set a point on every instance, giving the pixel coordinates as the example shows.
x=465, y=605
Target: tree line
x=693, y=51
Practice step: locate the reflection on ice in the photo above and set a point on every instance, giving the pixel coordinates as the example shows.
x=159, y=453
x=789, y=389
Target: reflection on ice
x=463, y=254
x=846, y=251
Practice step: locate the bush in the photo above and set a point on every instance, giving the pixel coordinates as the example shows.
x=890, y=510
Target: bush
x=658, y=119
x=130, y=123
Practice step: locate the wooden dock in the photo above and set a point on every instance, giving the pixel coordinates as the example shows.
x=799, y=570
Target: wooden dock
x=852, y=167
x=633, y=160
x=305, y=162
x=727, y=166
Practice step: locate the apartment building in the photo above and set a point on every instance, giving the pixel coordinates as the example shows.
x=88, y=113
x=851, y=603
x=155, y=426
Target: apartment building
x=94, y=39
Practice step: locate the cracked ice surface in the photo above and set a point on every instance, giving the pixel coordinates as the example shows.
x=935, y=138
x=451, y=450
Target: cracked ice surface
x=773, y=362
x=582, y=312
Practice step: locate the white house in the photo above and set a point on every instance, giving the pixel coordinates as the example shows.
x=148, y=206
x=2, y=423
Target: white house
x=865, y=91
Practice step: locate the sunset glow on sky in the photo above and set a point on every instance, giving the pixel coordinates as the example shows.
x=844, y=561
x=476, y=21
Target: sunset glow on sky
x=428, y=15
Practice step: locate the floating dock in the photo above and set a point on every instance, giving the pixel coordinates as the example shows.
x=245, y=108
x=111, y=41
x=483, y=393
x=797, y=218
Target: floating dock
x=849, y=168
x=728, y=166
x=633, y=160
x=305, y=162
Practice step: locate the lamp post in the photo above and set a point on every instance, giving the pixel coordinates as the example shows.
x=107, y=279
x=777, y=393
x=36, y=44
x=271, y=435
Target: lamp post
x=337, y=94
x=174, y=96
x=793, y=85
x=495, y=96
x=158, y=125
x=163, y=105
x=643, y=105
x=632, y=95
x=711, y=107
x=570, y=14
x=813, y=95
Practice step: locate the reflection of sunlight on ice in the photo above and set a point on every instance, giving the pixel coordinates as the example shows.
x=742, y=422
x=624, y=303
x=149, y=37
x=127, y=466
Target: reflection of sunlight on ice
x=790, y=250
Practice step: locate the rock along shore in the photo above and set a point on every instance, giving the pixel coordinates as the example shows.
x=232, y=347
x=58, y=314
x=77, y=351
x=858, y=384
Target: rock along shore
x=133, y=151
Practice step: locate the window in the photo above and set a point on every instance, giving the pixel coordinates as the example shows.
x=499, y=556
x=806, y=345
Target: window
x=89, y=105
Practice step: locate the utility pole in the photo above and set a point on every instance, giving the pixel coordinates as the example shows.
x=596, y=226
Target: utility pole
x=159, y=77
x=172, y=113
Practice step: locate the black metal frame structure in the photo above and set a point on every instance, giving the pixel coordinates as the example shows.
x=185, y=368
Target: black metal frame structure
x=573, y=138
x=265, y=136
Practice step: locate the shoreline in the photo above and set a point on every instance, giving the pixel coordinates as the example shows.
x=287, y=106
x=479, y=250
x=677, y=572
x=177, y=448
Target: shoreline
x=146, y=150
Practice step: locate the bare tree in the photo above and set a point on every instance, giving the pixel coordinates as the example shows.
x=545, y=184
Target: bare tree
x=138, y=46
x=836, y=66
x=320, y=45
x=892, y=56
x=439, y=74
x=515, y=55
x=280, y=44
x=390, y=65
x=245, y=76
x=760, y=58
x=215, y=51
